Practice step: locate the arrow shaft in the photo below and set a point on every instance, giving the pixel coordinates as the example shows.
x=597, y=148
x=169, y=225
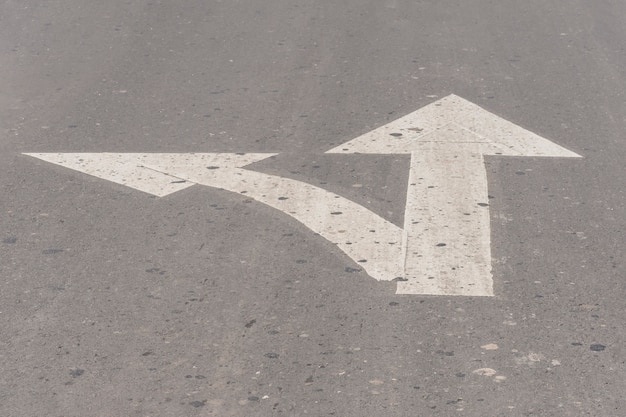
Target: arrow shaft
x=371, y=241
x=447, y=231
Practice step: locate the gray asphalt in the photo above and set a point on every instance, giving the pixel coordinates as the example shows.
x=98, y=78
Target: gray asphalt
x=116, y=303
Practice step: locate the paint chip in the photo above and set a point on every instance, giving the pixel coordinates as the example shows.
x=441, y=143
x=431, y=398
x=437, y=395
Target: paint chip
x=485, y=372
x=491, y=346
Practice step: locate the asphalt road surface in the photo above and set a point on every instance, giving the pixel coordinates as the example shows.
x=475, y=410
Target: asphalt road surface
x=114, y=302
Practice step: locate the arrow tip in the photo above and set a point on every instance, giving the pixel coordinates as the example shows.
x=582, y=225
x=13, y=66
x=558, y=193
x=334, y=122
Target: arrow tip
x=451, y=120
x=152, y=173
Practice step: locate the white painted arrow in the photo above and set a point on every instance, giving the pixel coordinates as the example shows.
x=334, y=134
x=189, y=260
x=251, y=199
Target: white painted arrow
x=370, y=240
x=447, y=239
x=444, y=247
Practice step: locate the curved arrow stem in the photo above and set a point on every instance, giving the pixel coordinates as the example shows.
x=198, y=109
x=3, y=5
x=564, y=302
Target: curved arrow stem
x=370, y=240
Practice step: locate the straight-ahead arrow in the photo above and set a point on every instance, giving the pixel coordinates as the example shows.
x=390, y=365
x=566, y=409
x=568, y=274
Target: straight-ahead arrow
x=447, y=238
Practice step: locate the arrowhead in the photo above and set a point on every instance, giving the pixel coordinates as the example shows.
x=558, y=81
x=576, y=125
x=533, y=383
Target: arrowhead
x=147, y=172
x=453, y=120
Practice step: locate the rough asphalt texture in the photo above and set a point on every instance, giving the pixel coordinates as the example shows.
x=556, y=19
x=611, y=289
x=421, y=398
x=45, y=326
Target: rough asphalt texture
x=115, y=303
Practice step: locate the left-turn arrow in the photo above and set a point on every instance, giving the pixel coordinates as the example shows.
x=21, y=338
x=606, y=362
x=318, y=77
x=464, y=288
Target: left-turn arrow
x=371, y=241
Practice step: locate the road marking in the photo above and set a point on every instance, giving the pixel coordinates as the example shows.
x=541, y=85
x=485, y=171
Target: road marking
x=446, y=219
x=370, y=240
x=444, y=247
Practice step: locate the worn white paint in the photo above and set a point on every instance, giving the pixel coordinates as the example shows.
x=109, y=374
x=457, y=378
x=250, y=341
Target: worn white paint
x=122, y=169
x=370, y=240
x=448, y=248
x=418, y=130
x=444, y=247
x=447, y=242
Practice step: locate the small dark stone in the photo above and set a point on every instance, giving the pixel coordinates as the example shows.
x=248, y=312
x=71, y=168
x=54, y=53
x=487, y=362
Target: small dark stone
x=200, y=377
x=75, y=373
x=272, y=355
x=597, y=348
x=483, y=204
x=301, y=261
x=212, y=167
x=336, y=212
x=283, y=198
x=197, y=404
x=250, y=324
x=253, y=398
x=397, y=135
x=148, y=353
x=399, y=279
x=394, y=303
x=9, y=240
x=348, y=269
x=52, y=251
x=441, y=244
